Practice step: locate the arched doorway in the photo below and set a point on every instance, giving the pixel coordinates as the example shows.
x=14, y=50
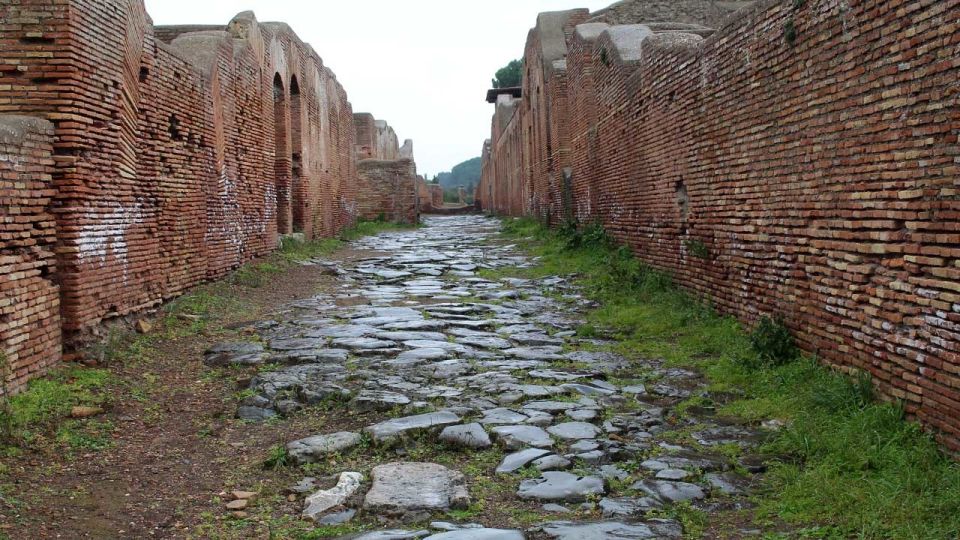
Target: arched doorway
x=298, y=190
x=281, y=168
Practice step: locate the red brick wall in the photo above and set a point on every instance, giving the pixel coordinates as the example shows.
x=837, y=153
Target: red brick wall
x=29, y=297
x=430, y=195
x=436, y=196
x=819, y=172
x=375, y=139
x=175, y=162
x=388, y=190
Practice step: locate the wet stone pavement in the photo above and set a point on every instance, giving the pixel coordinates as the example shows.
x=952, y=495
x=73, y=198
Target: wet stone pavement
x=445, y=355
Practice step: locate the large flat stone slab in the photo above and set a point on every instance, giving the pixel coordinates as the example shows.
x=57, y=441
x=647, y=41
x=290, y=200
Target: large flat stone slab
x=312, y=448
x=612, y=530
x=572, y=431
x=413, y=490
x=235, y=353
x=516, y=437
x=468, y=436
x=378, y=400
x=395, y=427
x=561, y=486
x=666, y=490
x=478, y=534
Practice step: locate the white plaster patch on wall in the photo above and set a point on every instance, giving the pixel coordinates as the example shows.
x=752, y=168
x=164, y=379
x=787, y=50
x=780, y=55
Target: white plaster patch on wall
x=104, y=234
x=16, y=159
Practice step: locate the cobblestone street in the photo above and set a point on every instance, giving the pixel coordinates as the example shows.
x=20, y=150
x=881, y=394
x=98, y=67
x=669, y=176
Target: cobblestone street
x=454, y=360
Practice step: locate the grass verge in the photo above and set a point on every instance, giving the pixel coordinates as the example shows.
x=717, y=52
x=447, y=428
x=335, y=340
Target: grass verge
x=846, y=466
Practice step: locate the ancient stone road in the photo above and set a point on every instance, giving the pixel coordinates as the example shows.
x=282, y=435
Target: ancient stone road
x=477, y=364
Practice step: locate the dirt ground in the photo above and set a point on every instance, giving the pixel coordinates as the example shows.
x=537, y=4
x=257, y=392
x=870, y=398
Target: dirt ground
x=174, y=450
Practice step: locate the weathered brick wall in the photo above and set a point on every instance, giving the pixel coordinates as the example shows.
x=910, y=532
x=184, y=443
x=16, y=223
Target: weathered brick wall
x=375, y=139
x=175, y=155
x=817, y=167
x=175, y=162
x=388, y=190
x=711, y=13
x=430, y=195
x=29, y=296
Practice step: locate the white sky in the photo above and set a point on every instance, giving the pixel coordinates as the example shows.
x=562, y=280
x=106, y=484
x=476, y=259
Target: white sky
x=422, y=65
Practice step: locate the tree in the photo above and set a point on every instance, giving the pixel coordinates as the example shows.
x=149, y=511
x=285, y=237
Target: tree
x=462, y=174
x=509, y=75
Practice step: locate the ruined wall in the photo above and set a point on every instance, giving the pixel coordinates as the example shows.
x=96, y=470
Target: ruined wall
x=388, y=190
x=801, y=160
x=178, y=153
x=504, y=184
x=29, y=297
x=388, y=186
x=436, y=196
x=709, y=13
x=430, y=195
x=375, y=139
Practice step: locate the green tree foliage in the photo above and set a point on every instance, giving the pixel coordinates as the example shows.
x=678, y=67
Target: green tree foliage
x=464, y=174
x=509, y=75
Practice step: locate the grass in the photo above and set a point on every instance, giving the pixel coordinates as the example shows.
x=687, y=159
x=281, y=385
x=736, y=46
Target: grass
x=848, y=465
x=46, y=402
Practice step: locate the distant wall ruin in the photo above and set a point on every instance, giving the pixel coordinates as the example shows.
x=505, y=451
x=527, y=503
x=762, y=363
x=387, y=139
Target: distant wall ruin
x=802, y=159
x=388, y=191
x=175, y=155
x=388, y=187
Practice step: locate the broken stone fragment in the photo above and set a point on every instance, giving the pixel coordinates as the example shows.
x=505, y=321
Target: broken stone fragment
x=84, y=412
x=243, y=495
x=238, y=504
x=517, y=460
x=325, y=499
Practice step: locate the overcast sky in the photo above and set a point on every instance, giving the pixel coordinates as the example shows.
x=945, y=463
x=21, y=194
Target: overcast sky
x=422, y=65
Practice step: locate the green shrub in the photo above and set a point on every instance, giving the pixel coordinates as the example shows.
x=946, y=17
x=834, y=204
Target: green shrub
x=772, y=341
x=697, y=248
x=277, y=458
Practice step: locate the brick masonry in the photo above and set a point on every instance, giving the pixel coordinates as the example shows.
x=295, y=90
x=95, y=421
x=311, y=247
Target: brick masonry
x=431, y=196
x=29, y=297
x=176, y=154
x=388, y=185
x=388, y=190
x=809, y=149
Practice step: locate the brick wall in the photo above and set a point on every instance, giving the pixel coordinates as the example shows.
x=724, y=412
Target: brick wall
x=29, y=297
x=375, y=139
x=178, y=154
x=430, y=196
x=175, y=162
x=388, y=190
x=811, y=150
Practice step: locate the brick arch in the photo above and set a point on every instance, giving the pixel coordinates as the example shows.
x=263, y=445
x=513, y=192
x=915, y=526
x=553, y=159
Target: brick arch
x=298, y=189
x=282, y=157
